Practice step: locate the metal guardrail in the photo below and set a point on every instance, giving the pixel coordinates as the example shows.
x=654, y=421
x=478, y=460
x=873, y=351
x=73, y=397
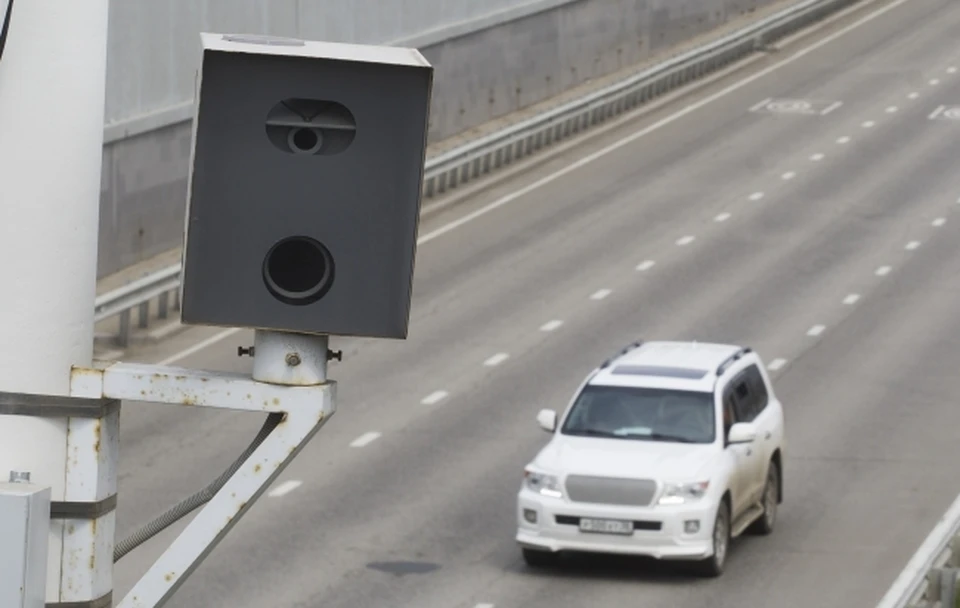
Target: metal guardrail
x=931, y=578
x=487, y=154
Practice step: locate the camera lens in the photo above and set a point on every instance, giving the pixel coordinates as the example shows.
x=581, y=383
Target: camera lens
x=304, y=141
x=298, y=270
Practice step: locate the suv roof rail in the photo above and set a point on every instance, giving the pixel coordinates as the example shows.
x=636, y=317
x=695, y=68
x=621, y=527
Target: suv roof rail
x=732, y=359
x=621, y=352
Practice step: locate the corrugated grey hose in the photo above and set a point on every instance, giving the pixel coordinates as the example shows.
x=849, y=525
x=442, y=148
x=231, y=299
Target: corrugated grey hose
x=186, y=506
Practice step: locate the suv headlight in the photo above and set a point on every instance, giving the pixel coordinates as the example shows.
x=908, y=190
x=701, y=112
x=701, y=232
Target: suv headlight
x=542, y=483
x=682, y=493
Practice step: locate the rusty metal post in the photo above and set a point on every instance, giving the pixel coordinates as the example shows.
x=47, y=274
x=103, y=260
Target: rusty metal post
x=52, y=88
x=289, y=382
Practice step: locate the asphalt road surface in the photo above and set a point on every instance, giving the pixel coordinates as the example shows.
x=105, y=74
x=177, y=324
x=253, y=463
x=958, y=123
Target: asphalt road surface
x=823, y=231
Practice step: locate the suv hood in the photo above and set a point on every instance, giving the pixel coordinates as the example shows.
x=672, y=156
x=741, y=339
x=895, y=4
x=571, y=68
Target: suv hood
x=630, y=458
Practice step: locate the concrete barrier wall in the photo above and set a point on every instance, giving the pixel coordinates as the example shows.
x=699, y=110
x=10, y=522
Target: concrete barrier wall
x=492, y=58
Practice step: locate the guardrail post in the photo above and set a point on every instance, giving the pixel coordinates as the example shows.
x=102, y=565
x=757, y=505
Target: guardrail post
x=163, y=305
x=123, y=335
x=143, y=318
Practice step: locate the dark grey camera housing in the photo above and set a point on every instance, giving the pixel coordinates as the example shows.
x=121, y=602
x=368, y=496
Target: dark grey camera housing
x=305, y=186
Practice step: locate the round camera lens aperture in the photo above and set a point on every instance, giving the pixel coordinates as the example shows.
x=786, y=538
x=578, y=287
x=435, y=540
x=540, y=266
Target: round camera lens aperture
x=298, y=270
x=304, y=140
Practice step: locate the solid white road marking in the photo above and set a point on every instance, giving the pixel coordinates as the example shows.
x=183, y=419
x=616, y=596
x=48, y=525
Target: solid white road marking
x=199, y=346
x=851, y=299
x=883, y=270
x=868, y=124
x=645, y=265
x=940, y=221
x=497, y=359
x=756, y=196
x=722, y=217
x=685, y=240
x=843, y=140
x=600, y=294
x=816, y=330
x=776, y=364
x=760, y=105
x=912, y=245
x=284, y=488
x=892, y=109
x=816, y=157
x=434, y=397
x=551, y=325
x=788, y=175
x=483, y=606
x=365, y=439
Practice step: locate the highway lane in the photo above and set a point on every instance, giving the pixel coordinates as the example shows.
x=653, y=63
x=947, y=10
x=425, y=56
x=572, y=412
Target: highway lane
x=771, y=270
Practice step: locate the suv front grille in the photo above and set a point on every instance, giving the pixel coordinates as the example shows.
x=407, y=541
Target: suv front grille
x=611, y=491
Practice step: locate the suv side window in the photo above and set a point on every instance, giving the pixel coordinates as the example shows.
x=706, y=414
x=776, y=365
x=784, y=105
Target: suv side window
x=758, y=390
x=742, y=396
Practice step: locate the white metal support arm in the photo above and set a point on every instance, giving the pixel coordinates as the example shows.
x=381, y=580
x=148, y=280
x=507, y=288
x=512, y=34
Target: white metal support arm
x=292, y=381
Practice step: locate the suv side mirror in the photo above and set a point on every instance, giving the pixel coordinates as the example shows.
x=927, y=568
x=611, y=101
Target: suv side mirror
x=547, y=419
x=742, y=432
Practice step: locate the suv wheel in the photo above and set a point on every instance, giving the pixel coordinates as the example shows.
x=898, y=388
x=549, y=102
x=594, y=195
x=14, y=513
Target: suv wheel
x=713, y=565
x=764, y=524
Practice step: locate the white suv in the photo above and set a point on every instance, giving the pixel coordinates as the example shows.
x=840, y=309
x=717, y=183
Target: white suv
x=668, y=449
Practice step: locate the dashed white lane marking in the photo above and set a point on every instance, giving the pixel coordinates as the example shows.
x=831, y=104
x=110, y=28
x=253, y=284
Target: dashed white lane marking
x=912, y=245
x=365, y=439
x=892, y=109
x=722, y=217
x=776, y=364
x=788, y=175
x=867, y=124
x=934, y=82
x=600, y=294
x=940, y=221
x=685, y=240
x=551, y=325
x=951, y=70
x=851, y=299
x=223, y=335
x=483, y=606
x=816, y=330
x=434, y=397
x=936, y=112
x=645, y=265
x=284, y=488
x=816, y=157
x=756, y=196
x=843, y=140
x=913, y=95
x=883, y=270
x=497, y=359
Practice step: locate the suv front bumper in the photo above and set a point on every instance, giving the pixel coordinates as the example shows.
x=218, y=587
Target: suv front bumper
x=659, y=531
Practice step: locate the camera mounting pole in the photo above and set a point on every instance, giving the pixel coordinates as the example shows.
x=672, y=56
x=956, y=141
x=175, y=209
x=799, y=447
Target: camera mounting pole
x=52, y=89
x=289, y=382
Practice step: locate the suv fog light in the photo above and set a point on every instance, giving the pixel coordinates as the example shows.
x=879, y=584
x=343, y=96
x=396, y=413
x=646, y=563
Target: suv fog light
x=530, y=515
x=691, y=526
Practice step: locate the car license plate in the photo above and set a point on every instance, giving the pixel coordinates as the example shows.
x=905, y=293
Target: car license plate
x=606, y=526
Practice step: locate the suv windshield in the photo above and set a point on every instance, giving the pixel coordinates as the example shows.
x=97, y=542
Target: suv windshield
x=647, y=414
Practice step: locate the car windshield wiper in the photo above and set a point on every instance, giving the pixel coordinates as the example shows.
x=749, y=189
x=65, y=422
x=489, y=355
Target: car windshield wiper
x=592, y=433
x=669, y=437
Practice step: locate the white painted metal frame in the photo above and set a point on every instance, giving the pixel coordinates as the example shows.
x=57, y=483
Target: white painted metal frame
x=308, y=400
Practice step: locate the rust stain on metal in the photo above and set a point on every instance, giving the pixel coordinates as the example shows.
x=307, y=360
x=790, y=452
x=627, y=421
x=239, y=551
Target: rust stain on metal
x=256, y=468
x=93, y=561
x=169, y=576
x=276, y=401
